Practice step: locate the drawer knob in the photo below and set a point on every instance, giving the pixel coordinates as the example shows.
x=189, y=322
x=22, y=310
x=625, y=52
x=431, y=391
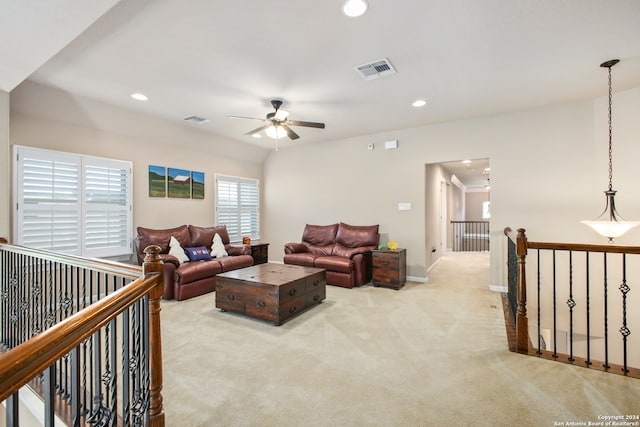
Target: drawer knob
x=316, y=298
x=230, y=297
x=261, y=304
x=292, y=309
x=292, y=292
x=316, y=282
x=384, y=262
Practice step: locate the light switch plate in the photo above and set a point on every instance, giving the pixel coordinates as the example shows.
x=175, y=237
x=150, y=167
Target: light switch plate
x=404, y=206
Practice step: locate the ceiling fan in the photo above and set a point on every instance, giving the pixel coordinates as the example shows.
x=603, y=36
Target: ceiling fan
x=276, y=125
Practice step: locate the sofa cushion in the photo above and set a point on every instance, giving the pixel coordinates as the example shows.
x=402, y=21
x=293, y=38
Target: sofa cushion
x=306, y=259
x=319, y=235
x=200, y=253
x=192, y=271
x=353, y=236
x=229, y=263
x=320, y=250
x=148, y=236
x=334, y=263
x=203, y=236
x=177, y=251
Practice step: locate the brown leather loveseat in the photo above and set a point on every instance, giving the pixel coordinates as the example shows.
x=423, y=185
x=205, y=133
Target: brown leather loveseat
x=343, y=250
x=190, y=279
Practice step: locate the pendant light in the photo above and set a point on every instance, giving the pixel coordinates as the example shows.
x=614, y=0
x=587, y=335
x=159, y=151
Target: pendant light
x=610, y=224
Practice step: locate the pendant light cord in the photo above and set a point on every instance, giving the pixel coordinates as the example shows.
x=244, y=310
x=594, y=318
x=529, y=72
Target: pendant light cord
x=610, y=145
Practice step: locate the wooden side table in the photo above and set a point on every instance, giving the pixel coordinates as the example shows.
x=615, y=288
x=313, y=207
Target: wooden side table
x=389, y=268
x=260, y=253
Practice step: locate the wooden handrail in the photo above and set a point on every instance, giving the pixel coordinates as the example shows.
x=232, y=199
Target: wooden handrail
x=109, y=267
x=22, y=363
x=579, y=247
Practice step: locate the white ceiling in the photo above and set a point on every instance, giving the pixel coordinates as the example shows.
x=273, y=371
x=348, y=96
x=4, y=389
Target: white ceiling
x=215, y=58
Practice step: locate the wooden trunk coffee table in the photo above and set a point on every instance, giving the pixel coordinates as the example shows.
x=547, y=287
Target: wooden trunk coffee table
x=271, y=292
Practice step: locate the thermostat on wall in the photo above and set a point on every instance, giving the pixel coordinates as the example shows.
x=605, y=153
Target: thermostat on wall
x=390, y=145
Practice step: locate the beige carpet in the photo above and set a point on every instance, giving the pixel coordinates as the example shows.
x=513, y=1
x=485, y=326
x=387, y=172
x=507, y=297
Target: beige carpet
x=431, y=354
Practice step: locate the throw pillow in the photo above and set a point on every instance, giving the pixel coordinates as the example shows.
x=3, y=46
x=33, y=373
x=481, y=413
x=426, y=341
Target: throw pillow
x=177, y=251
x=198, y=254
x=217, y=247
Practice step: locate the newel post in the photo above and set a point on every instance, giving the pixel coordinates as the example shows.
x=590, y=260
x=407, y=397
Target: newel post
x=522, y=324
x=152, y=263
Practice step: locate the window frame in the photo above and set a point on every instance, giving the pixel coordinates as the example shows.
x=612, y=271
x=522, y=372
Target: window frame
x=253, y=211
x=123, y=209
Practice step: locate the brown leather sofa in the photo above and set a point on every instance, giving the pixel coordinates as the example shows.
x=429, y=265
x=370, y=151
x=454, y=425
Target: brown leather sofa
x=343, y=250
x=190, y=279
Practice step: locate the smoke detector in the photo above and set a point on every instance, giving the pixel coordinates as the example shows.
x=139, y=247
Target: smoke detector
x=376, y=69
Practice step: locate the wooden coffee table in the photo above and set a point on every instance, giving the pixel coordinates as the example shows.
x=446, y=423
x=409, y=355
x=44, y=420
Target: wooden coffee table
x=271, y=292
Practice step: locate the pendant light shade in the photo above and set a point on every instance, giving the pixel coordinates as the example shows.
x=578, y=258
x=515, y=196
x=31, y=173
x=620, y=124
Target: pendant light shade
x=610, y=224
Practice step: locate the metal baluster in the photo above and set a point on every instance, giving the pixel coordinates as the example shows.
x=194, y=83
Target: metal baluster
x=555, y=317
x=13, y=411
x=624, y=330
x=49, y=395
x=606, y=321
x=75, y=386
x=539, y=284
x=126, y=368
x=588, y=361
x=571, y=303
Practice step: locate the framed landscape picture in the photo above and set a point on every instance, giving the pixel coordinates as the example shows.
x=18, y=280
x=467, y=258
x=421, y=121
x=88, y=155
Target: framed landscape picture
x=157, y=181
x=197, y=185
x=179, y=183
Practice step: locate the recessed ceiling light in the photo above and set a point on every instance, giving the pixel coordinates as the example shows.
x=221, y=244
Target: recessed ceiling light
x=354, y=8
x=466, y=162
x=419, y=103
x=256, y=135
x=139, y=96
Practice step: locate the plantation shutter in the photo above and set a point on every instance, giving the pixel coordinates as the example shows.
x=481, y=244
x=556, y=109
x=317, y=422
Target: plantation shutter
x=106, y=212
x=238, y=206
x=48, y=200
x=73, y=204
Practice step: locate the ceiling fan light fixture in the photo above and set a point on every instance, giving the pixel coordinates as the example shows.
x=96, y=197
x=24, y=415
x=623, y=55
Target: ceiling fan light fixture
x=419, y=103
x=354, y=8
x=275, y=132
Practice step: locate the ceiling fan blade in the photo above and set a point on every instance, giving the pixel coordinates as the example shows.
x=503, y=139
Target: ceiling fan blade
x=307, y=124
x=256, y=130
x=290, y=133
x=243, y=117
x=281, y=114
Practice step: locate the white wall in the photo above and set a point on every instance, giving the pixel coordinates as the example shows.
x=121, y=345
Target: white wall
x=5, y=192
x=473, y=204
x=548, y=171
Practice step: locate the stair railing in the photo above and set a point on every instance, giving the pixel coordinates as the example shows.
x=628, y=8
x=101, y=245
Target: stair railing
x=575, y=302
x=66, y=341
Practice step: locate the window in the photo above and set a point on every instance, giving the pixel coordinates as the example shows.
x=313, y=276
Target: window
x=486, y=210
x=74, y=204
x=238, y=206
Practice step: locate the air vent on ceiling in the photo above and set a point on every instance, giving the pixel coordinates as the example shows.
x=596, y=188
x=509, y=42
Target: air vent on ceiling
x=196, y=120
x=376, y=69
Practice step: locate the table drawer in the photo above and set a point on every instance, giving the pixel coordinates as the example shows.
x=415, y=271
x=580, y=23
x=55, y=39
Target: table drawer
x=291, y=291
x=292, y=307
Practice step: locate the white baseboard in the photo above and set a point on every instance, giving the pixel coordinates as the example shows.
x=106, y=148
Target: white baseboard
x=417, y=279
x=496, y=288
